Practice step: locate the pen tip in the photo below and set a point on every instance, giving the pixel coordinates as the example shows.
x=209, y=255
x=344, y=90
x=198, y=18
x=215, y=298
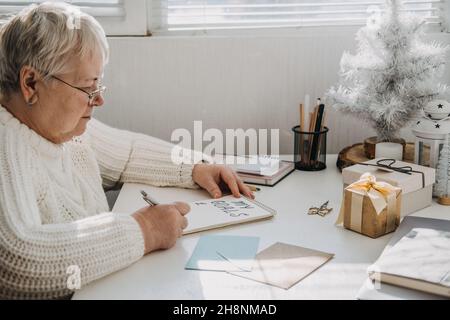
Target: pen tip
x=143, y=193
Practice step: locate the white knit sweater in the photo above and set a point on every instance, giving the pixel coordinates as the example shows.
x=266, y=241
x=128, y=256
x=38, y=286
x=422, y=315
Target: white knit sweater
x=53, y=210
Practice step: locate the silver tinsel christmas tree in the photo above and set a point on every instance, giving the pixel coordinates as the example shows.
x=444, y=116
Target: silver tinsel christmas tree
x=442, y=185
x=393, y=74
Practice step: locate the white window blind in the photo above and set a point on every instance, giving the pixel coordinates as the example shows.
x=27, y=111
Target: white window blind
x=185, y=15
x=118, y=17
x=99, y=8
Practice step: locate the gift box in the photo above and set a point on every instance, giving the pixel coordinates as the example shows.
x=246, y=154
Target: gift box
x=370, y=207
x=415, y=181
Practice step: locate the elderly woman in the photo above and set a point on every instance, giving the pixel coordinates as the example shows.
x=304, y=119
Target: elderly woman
x=55, y=159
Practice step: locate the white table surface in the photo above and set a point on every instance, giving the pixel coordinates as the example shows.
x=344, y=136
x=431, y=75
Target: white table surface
x=161, y=275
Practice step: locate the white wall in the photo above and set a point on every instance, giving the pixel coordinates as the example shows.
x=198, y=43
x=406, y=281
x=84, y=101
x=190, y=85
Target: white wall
x=158, y=84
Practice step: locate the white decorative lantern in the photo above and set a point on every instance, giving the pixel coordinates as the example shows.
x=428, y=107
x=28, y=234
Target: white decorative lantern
x=429, y=133
x=437, y=109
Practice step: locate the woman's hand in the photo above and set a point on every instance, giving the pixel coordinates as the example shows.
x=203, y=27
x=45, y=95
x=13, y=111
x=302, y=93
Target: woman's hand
x=162, y=225
x=210, y=176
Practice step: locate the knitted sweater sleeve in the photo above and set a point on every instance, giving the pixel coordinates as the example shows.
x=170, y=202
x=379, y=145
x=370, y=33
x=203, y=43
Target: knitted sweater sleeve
x=50, y=261
x=125, y=156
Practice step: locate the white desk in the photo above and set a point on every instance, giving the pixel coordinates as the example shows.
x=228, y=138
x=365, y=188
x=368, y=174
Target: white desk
x=161, y=275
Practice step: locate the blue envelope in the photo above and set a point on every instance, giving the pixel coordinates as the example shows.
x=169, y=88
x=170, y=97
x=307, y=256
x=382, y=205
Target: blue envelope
x=224, y=253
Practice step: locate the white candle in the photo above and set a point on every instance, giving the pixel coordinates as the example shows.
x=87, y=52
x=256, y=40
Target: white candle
x=389, y=150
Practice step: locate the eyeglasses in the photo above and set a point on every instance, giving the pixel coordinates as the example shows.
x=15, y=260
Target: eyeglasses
x=92, y=95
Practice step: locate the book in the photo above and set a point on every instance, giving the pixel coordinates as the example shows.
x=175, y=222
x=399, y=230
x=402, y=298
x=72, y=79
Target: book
x=383, y=291
x=205, y=214
x=284, y=169
x=266, y=170
x=262, y=166
x=420, y=260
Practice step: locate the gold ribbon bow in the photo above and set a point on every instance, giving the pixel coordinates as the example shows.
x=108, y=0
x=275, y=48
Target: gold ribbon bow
x=381, y=194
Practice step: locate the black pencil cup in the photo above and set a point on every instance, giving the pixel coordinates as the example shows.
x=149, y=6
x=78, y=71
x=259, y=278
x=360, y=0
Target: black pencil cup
x=310, y=149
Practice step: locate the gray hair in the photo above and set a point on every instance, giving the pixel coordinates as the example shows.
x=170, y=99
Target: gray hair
x=46, y=36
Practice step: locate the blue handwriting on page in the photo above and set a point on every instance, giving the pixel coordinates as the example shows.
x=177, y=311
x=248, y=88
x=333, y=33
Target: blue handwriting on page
x=231, y=208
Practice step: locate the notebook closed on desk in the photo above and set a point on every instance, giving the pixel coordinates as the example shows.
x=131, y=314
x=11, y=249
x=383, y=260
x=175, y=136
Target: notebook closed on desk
x=260, y=170
x=383, y=291
x=419, y=261
x=205, y=214
x=268, y=177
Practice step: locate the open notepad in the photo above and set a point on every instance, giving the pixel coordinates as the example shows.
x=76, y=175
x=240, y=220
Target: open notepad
x=205, y=214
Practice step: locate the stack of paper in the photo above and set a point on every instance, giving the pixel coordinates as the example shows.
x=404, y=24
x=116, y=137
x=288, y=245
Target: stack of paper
x=261, y=170
x=263, y=166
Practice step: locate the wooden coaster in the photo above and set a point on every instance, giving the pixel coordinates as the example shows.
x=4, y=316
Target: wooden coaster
x=445, y=201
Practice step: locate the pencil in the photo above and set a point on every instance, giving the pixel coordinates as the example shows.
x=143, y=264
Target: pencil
x=253, y=188
x=312, y=125
x=302, y=118
x=321, y=135
x=302, y=128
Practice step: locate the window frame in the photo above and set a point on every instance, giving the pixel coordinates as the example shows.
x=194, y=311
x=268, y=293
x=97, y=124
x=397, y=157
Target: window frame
x=134, y=22
x=282, y=30
x=138, y=21
x=446, y=27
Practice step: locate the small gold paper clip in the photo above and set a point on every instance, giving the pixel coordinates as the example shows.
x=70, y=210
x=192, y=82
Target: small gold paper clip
x=321, y=211
x=324, y=212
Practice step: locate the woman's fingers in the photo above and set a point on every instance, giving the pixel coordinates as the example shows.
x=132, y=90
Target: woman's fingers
x=229, y=178
x=183, y=207
x=184, y=223
x=244, y=188
x=213, y=188
x=213, y=177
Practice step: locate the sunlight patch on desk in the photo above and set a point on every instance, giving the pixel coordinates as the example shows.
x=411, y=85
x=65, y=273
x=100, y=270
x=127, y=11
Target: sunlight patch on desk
x=224, y=265
x=332, y=281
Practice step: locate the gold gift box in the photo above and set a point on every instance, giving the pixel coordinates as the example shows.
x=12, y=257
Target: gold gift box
x=371, y=208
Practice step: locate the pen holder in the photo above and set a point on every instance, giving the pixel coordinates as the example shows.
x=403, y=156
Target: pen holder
x=310, y=149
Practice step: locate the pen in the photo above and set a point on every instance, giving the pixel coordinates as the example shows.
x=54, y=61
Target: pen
x=148, y=199
x=253, y=188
